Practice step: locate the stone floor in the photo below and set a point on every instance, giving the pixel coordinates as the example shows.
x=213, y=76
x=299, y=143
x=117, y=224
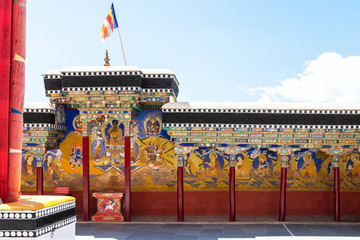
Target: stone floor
x=197, y=228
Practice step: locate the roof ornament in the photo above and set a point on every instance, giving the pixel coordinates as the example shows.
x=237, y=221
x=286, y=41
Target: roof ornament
x=107, y=59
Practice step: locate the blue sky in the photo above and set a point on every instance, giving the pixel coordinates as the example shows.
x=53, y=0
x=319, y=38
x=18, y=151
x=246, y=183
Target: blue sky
x=232, y=51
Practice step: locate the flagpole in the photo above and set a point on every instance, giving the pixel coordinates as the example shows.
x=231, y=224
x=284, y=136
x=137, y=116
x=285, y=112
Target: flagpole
x=122, y=46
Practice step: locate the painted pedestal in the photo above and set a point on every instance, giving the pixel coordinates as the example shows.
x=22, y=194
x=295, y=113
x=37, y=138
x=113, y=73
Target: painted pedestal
x=38, y=217
x=108, y=207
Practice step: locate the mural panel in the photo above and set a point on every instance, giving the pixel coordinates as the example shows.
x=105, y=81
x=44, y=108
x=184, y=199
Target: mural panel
x=154, y=167
x=206, y=169
x=106, y=140
x=28, y=170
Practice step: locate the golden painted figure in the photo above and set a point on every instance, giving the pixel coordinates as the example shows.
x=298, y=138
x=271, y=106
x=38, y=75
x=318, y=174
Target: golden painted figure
x=53, y=172
x=115, y=135
x=214, y=168
x=97, y=150
x=243, y=167
x=29, y=166
x=190, y=168
x=353, y=167
x=308, y=169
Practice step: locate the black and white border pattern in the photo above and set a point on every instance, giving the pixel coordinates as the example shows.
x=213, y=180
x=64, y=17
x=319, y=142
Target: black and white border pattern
x=100, y=73
x=28, y=215
x=277, y=111
x=44, y=125
x=39, y=110
x=47, y=92
x=151, y=90
x=37, y=232
x=108, y=73
x=278, y=126
x=53, y=76
x=77, y=89
x=123, y=89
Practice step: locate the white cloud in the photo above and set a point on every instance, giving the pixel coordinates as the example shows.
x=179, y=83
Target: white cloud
x=328, y=79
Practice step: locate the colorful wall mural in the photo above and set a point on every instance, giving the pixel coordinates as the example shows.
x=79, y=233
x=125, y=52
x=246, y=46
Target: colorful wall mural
x=28, y=170
x=152, y=155
x=154, y=166
x=259, y=169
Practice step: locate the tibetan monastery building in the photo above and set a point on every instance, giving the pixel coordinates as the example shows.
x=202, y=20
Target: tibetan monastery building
x=119, y=129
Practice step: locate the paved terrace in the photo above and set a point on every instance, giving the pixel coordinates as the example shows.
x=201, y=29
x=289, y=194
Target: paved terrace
x=246, y=227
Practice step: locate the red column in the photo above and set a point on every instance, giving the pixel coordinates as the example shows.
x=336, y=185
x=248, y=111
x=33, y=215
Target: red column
x=5, y=59
x=336, y=190
x=39, y=181
x=232, y=194
x=282, y=207
x=127, y=202
x=180, y=189
x=16, y=98
x=86, y=190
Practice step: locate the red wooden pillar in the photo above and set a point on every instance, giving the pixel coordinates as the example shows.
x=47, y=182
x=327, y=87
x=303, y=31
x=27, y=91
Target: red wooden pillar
x=180, y=189
x=232, y=190
x=336, y=189
x=39, y=180
x=86, y=189
x=282, y=207
x=5, y=60
x=16, y=98
x=127, y=202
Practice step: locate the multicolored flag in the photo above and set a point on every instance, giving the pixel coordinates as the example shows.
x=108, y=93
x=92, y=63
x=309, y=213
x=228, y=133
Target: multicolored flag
x=109, y=24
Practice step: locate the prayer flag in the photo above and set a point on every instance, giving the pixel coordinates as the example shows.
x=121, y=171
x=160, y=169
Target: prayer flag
x=109, y=24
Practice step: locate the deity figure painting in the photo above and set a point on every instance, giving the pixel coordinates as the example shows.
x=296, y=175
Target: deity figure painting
x=242, y=166
x=190, y=167
x=330, y=168
x=155, y=165
x=307, y=167
x=115, y=134
x=213, y=165
x=152, y=151
x=353, y=167
x=148, y=124
x=152, y=126
x=60, y=115
x=76, y=157
x=77, y=124
x=98, y=149
x=262, y=165
x=53, y=167
x=116, y=154
x=29, y=166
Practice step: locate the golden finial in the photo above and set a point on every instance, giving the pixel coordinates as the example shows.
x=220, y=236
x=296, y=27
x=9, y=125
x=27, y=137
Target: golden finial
x=107, y=59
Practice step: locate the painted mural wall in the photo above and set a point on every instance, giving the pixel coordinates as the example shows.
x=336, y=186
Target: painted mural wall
x=154, y=166
x=152, y=155
x=260, y=169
